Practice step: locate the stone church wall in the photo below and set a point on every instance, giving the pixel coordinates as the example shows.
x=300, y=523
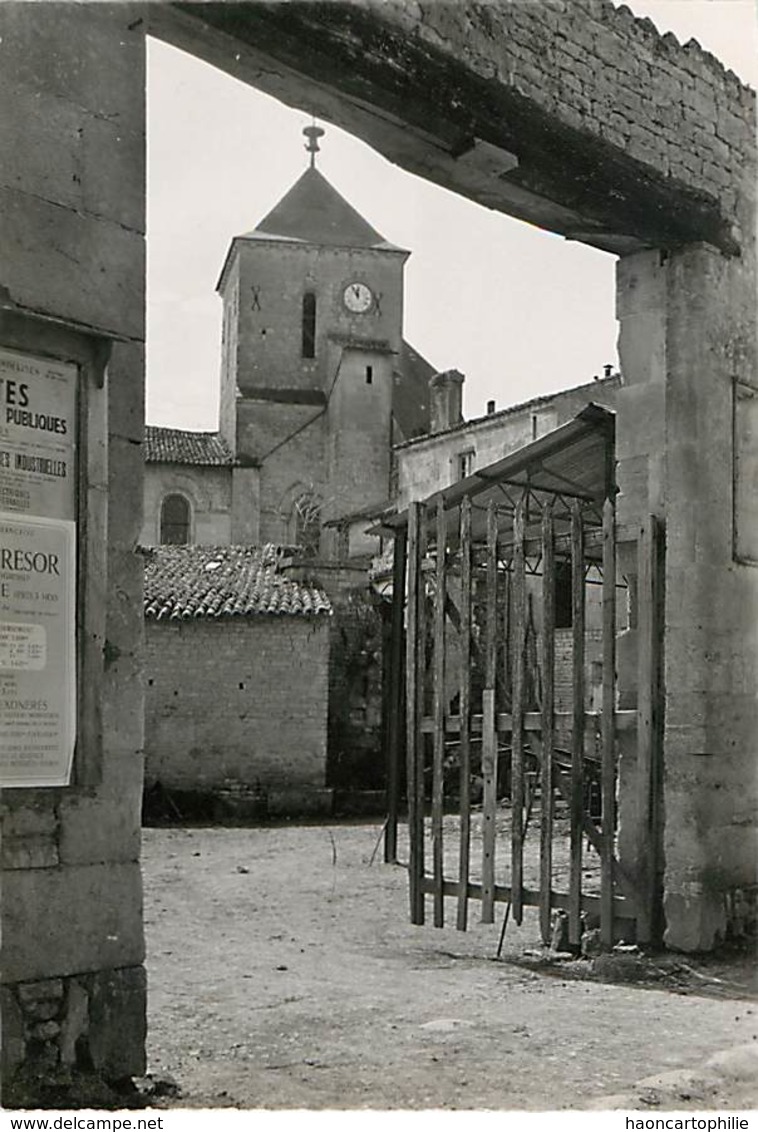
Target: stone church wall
x=72, y=189
x=269, y=341
x=209, y=492
x=240, y=700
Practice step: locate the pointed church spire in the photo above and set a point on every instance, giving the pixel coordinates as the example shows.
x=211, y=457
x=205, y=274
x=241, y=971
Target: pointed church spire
x=313, y=133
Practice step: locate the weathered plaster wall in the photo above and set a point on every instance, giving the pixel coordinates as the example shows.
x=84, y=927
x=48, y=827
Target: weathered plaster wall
x=72, y=238
x=209, y=493
x=236, y=701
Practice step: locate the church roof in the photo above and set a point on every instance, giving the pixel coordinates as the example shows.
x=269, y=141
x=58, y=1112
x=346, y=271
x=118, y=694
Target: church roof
x=313, y=212
x=410, y=398
x=176, y=446
x=187, y=582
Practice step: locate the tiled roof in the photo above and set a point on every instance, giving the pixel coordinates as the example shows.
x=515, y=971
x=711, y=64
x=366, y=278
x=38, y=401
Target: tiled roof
x=183, y=582
x=315, y=213
x=175, y=446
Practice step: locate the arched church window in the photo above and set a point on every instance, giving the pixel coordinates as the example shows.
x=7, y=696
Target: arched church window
x=175, y=521
x=309, y=324
x=307, y=523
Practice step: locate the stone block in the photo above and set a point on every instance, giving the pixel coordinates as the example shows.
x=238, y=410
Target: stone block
x=104, y=902
x=117, y=1022
x=94, y=269
x=41, y=143
x=43, y=1011
x=46, y=990
x=123, y=624
x=126, y=468
x=640, y=285
x=113, y=171
x=75, y=1025
x=126, y=391
x=22, y=818
x=641, y=419
x=38, y=851
x=695, y=919
x=103, y=825
x=92, y=58
x=13, y=1040
x=632, y=476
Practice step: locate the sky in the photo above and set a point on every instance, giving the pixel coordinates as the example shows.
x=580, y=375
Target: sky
x=519, y=311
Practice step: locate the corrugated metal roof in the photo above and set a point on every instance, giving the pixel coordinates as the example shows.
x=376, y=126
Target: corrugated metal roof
x=183, y=582
x=176, y=446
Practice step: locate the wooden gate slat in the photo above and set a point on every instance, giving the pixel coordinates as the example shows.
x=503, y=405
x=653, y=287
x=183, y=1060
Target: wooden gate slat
x=395, y=696
x=439, y=718
x=548, y=707
x=464, y=715
x=608, y=770
x=577, y=738
x=413, y=731
x=489, y=734
x=517, y=742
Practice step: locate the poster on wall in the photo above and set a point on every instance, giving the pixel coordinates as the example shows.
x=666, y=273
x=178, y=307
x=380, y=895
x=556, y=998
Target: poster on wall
x=37, y=570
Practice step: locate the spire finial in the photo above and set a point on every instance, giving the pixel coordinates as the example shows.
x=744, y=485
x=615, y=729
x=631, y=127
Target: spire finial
x=313, y=133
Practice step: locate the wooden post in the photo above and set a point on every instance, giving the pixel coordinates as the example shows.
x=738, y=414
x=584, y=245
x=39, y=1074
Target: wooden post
x=548, y=707
x=517, y=738
x=394, y=728
x=413, y=721
x=489, y=734
x=439, y=718
x=464, y=716
x=577, y=738
x=422, y=705
x=649, y=742
x=608, y=768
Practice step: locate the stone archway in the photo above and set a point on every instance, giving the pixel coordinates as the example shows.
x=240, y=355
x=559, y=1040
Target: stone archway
x=532, y=109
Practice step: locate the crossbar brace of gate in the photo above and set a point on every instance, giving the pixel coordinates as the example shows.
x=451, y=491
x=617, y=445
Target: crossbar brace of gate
x=503, y=894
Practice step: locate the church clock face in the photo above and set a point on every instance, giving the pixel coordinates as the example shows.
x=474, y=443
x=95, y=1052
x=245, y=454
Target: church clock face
x=357, y=298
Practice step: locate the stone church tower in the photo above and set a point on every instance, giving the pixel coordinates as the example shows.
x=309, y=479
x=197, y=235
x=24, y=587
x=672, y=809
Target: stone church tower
x=317, y=383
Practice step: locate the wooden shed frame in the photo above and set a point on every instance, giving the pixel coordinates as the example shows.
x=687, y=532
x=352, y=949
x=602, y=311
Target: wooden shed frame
x=462, y=558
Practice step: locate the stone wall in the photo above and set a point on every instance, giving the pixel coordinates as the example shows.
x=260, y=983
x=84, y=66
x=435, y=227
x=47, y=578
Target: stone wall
x=209, y=492
x=237, y=700
x=72, y=202
x=356, y=760
x=622, y=137
x=269, y=337
x=600, y=70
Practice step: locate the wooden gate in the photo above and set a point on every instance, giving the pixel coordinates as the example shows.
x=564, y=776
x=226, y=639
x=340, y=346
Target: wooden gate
x=513, y=603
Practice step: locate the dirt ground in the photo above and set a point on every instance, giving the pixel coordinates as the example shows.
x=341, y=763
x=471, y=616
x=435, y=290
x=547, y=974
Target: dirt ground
x=283, y=973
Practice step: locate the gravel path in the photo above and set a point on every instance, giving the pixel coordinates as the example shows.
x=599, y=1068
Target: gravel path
x=284, y=973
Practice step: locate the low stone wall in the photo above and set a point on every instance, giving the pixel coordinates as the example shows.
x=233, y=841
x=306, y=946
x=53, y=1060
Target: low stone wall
x=57, y=1032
